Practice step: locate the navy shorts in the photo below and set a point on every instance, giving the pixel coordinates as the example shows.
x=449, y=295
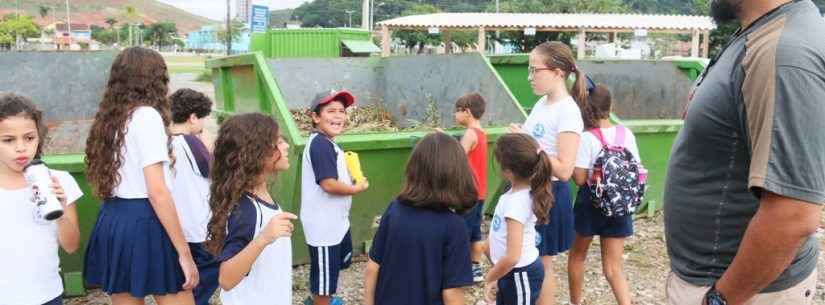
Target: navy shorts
x=591, y=222
x=325, y=265
x=557, y=236
x=208, y=267
x=521, y=286
x=473, y=220
x=56, y=301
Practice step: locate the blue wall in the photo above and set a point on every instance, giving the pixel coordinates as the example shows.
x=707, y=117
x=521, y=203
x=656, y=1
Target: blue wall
x=206, y=39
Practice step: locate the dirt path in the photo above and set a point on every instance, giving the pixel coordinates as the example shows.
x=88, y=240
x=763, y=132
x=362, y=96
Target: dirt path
x=646, y=265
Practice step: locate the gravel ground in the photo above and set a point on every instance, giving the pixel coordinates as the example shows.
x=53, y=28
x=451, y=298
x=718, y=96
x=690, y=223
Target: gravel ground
x=646, y=266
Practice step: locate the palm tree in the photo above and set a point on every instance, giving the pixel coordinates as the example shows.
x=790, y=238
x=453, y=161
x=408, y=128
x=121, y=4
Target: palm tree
x=111, y=21
x=44, y=12
x=131, y=17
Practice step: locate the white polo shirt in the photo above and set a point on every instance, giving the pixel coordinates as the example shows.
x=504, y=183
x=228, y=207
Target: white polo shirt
x=325, y=216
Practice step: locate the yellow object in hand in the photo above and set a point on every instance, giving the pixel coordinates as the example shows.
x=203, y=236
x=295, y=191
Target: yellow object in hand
x=354, y=166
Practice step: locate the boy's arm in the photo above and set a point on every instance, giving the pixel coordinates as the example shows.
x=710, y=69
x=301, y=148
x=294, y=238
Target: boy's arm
x=469, y=141
x=370, y=280
x=333, y=186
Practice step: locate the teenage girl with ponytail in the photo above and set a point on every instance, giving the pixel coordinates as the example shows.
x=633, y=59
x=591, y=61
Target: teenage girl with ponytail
x=556, y=124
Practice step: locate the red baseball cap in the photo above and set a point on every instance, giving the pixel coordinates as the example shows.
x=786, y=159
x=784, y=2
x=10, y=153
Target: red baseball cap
x=325, y=97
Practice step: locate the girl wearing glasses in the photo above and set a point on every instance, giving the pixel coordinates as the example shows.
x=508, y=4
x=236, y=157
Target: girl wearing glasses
x=556, y=124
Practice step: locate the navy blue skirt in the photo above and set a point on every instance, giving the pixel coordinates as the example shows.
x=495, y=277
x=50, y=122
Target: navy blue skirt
x=591, y=222
x=130, y=252
x=557, y=236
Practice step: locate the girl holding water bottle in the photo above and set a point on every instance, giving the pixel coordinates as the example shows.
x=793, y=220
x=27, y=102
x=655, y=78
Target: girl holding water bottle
x=28, y=253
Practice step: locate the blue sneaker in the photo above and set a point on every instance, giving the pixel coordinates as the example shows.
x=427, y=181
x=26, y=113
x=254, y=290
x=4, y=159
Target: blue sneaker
x=478, y=274
x=333, y=301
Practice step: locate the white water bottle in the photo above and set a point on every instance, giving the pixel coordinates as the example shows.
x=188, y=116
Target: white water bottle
x=38, y=177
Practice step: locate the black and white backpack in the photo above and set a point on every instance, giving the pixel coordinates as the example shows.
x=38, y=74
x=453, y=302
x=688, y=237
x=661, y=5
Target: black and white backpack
x=618, y=180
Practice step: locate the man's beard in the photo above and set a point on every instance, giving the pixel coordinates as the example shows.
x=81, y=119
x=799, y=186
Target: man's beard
x=724, y=11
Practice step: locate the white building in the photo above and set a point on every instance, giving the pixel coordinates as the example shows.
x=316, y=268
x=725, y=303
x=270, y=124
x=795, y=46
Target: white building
x=243, y=7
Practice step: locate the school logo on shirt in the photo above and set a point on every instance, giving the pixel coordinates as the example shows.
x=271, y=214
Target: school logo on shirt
x=496, y=223
x=539, y=131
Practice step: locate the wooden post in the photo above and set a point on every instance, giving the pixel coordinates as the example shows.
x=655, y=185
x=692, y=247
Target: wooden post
x=385, y=41
x=482, y=40
x=582, y=47
x=706, y=45
x=694, y=45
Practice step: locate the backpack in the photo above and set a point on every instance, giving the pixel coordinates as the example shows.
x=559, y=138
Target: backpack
x=618, y=180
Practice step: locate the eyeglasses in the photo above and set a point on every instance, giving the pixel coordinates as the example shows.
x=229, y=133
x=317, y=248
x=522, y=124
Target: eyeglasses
x=532, y=70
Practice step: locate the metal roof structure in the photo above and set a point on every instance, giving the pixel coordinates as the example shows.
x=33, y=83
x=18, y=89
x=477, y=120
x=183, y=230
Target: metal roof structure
x=696, y=26
x=556, y=22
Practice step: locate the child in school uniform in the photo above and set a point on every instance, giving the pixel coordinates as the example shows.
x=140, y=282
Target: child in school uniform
x=28, y=254
x=468, y=111
x=137, y=247
x=589, y=220
x=190, y=183
x=556, y=123
x=249, y=231
x=517, y=274
x=420, y=253
x=326, y=196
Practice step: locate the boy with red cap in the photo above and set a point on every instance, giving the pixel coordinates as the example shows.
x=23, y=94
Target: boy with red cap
x=326, y=196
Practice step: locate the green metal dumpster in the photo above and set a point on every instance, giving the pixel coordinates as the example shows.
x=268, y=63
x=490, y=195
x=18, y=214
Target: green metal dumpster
x=317, y=42
x=404, y=86
x=67, y=87
x=642, y=89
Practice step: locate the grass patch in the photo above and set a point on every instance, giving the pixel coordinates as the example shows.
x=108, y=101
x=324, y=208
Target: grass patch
x=205, y=76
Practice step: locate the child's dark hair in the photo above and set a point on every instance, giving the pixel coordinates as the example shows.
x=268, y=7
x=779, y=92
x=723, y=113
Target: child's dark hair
x=138, y=77
x=438, y=176
x=598, y=104
x=474, y=102
x=521, y=155
x=186, y=101
x=558, y=55
x=245, y=143
x=17, y=105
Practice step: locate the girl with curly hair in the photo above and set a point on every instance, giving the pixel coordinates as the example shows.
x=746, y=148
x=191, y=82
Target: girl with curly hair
x=249, y=231
x=137, y=247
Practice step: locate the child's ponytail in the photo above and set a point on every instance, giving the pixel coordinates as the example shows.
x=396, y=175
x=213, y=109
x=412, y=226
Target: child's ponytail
x=521, y=154
x=540, y=184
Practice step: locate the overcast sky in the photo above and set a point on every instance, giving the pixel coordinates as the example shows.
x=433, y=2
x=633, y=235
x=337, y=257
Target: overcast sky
x=216, y=9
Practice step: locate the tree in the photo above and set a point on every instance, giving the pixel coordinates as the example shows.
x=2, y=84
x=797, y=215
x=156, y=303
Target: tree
x=161, y=34
x=111, y=21
x=236, y=28
x=13, y=27
x=44, y=10
x=131, y=16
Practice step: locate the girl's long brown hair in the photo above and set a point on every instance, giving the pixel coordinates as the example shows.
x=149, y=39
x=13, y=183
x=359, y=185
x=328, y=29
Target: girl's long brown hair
x=138, y=77
x=244, y=145
x=438, y=176
x=558, y=55
x=521, y=155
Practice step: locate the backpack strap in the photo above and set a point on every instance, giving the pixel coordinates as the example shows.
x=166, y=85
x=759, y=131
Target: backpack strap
x=620, y=134
x=598, y=133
